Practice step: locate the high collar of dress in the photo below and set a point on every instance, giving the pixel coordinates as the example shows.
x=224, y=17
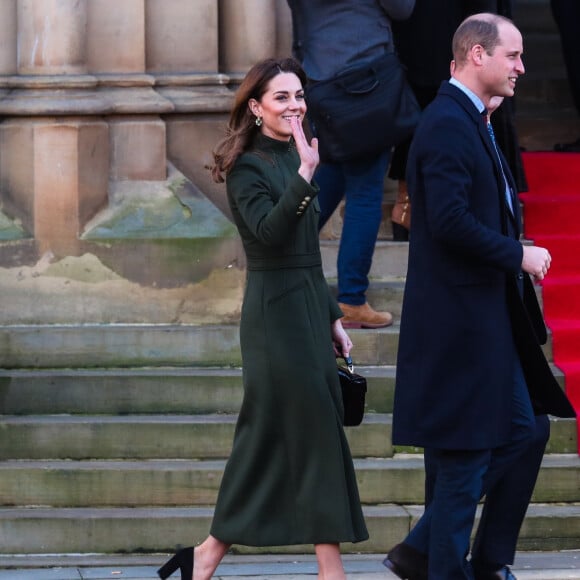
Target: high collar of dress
x=264, y=142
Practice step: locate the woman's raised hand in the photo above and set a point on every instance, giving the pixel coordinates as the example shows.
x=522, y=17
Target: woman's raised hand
x=308, y=152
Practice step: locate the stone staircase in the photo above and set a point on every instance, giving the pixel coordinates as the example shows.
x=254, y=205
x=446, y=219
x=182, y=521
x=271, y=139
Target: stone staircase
x=114, y=437
x=115, y=441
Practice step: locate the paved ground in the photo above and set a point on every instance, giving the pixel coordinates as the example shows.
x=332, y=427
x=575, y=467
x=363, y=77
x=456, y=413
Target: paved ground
x=528, y=566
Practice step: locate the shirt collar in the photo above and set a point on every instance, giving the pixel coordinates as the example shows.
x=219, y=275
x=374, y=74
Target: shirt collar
x=472, y=96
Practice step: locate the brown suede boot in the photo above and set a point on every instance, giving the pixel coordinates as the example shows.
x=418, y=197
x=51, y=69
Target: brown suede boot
x=364, y=316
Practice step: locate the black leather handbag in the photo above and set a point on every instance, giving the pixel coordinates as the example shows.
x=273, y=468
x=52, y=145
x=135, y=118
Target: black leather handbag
x=362, y=111
x=354, y=390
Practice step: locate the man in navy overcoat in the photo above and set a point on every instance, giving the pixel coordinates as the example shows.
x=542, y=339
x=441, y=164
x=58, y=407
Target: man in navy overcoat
x=471, y=374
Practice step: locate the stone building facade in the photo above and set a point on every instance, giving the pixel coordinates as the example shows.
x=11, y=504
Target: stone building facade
x=109, y=110
x=108, y=113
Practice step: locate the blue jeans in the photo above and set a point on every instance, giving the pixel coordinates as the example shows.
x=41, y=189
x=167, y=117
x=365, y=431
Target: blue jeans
x=361, y=183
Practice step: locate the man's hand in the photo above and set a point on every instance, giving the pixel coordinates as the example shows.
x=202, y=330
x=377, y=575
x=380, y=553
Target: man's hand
x=536, y=261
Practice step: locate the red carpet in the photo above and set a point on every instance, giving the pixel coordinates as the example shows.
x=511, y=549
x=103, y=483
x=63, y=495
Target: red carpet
x=552, y=220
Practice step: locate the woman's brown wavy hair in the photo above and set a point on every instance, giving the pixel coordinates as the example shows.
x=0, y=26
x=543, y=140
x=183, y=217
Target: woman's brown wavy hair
x=241, y=128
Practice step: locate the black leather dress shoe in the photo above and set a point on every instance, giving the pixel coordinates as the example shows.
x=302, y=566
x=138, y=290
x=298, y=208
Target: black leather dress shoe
x=504, y=573
x=406, y=562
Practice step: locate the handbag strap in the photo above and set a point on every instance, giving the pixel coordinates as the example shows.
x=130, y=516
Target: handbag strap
x=349, y=364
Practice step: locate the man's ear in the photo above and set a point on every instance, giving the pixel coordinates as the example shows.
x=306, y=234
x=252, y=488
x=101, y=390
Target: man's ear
x=477, y=52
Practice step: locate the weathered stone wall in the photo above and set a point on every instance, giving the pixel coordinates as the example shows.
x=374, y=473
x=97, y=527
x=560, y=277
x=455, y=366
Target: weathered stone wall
x=108, y=114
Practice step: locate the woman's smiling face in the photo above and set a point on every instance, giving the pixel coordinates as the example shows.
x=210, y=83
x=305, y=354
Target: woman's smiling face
x=283, y=99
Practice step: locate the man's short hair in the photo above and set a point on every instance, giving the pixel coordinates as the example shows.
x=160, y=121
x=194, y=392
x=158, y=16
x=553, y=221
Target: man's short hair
x=477, y=29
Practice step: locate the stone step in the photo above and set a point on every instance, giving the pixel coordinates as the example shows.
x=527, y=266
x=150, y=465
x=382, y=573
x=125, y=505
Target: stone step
x=155, y=530
x=151, y=437
x=180, y=437
x=540, y=132
x=164, y=390
x=383, y=294
x=159, y=345
x=548, y=565
x=389, y=259
x=121, y=391
x=563, y=438
x=174, y=390
x=118, y=345
x=388, y=273
x=539, y=97
x=164, y=483
x=153, y=345
x=387, y=294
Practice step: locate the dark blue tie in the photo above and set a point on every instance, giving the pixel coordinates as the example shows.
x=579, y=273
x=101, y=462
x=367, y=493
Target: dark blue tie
x=508, y=190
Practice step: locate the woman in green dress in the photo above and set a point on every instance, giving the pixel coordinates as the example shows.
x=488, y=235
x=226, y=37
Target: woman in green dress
x=290, y=477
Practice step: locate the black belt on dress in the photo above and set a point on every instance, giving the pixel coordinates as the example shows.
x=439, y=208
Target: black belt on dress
x=290, y=261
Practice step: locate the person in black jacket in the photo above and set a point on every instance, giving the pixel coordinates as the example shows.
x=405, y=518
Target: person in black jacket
x=430, y=30
x=471, y=374
x=330, y=37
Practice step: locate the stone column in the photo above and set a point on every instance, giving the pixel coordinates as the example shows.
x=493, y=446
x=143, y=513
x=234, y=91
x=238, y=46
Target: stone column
x=247, y=33
x=182, y=36
x=51, y=37
x=138, y=149
x=283, y=29
x=55, y=177
x=8, y=29
x=116, y=36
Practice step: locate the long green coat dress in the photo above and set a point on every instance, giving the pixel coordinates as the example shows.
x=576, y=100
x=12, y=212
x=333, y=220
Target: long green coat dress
x=290, y=477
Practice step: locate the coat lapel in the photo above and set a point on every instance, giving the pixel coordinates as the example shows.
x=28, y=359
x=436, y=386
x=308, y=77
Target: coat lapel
x=467, y=105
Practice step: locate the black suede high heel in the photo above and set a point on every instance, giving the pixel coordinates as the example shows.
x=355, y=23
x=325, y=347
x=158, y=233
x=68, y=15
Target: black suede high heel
x=182, y=560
